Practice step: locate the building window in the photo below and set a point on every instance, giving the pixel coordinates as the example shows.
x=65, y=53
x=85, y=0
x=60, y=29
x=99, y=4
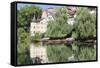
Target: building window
x=34, y=26
x=33, y=31
x=41, y=22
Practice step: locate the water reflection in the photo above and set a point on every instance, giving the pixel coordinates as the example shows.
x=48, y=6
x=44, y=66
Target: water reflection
x=75, y=51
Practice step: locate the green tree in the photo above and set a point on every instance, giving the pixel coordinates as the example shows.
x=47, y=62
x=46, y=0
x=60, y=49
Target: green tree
x=86, y=53
x=59, y=27
x=26, y=14
x=85, y=25
x=23, y=47
x=58, y=53
x=37, y=37
x=24, y=18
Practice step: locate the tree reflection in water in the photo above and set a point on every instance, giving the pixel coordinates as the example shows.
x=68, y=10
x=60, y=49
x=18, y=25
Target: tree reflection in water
x=77, y=51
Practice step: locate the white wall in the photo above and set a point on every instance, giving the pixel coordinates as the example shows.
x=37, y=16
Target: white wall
x=5, y=35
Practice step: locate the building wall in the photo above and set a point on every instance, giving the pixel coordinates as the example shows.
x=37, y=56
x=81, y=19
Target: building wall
x=71, y=15
x=39, y=27
x=38, y=51
x=44, y=14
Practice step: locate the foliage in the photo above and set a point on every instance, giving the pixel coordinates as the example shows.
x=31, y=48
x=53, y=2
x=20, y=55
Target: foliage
x=84, y=52
x=37, y=36
x=59, y=27
x=87, y=53
x=85, y=25
x=58, y=53
x=22, y=46
x=24, y=17
x=61, y=52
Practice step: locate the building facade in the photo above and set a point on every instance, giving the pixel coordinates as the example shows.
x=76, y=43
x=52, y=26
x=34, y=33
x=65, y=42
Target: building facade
x=71, y=14
x=40, y=26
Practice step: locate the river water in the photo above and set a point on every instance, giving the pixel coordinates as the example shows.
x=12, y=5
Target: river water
x=53, y=53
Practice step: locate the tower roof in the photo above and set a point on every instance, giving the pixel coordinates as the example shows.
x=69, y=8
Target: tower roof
x=34, y=19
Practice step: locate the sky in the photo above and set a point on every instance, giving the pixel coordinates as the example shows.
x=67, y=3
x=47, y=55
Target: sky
x=19, y=5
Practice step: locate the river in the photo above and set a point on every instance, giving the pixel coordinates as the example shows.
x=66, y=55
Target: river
x=53, y=53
